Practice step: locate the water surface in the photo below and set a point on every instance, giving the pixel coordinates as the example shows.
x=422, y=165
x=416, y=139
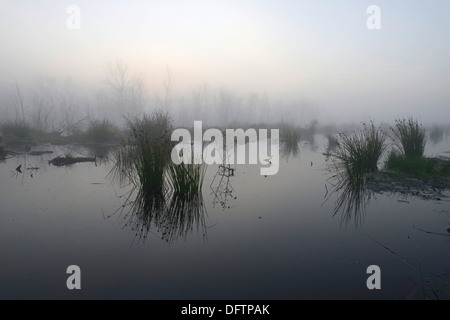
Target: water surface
x=269, y=237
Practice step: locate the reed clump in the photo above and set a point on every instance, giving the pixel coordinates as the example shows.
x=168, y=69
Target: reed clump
x=144, y=159
x=144, y=155
x=410, y=137
x=359, y=152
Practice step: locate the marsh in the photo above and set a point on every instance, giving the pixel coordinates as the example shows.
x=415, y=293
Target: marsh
x=244, y=235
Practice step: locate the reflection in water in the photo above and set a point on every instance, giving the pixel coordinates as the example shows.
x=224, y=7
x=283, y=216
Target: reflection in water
x=353, y=196
x=221, y=186
x=436, y=134
x=289, y=140
x=289, y=149
x=168, y=215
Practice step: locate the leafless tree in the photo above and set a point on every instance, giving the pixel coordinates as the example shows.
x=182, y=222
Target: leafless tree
x=127, y=89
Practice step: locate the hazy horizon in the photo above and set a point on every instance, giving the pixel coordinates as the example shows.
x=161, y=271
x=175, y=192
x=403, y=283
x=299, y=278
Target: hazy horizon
x=316, y=57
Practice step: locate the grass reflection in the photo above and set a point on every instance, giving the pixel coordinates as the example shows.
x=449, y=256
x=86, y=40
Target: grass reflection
x=354, y=155
x=166, y=215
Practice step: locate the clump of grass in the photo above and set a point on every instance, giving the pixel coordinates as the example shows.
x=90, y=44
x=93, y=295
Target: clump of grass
x=168, y=196
x=100, y=131
x=18, y=129
x=355, y=154
x=359, y=152
x=144, y=155
x=410, y=137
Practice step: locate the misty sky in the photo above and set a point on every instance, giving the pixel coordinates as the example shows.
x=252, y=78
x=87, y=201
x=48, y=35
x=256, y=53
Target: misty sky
x=319, y=51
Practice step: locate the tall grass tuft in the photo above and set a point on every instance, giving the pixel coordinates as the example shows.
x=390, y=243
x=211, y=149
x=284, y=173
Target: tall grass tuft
x=410, y=137
x=356, y=154
x=360, y=151
x=168, y=196
x=144, y=156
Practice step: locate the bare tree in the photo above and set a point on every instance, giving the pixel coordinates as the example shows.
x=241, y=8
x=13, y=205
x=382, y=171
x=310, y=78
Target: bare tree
x=167, y=87
x=19, y=96
x=200, y=102
x=127, y=89
x=43, y=114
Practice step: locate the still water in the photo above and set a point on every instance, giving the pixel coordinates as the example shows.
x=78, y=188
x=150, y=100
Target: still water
x=256, y=237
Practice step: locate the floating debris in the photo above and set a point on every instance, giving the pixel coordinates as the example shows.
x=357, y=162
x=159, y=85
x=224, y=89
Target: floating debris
x=67, y=161
x=39, y=153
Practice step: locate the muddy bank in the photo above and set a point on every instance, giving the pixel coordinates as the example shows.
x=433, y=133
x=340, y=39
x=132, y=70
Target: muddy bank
x=429, y=188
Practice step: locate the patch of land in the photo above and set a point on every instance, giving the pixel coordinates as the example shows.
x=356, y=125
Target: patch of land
x=427, y=188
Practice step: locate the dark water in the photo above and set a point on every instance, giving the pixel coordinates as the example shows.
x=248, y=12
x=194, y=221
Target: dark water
x=270, y=238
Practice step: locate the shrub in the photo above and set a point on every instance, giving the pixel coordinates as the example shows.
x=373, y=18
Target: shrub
x=18, y=129
x=100, y=131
